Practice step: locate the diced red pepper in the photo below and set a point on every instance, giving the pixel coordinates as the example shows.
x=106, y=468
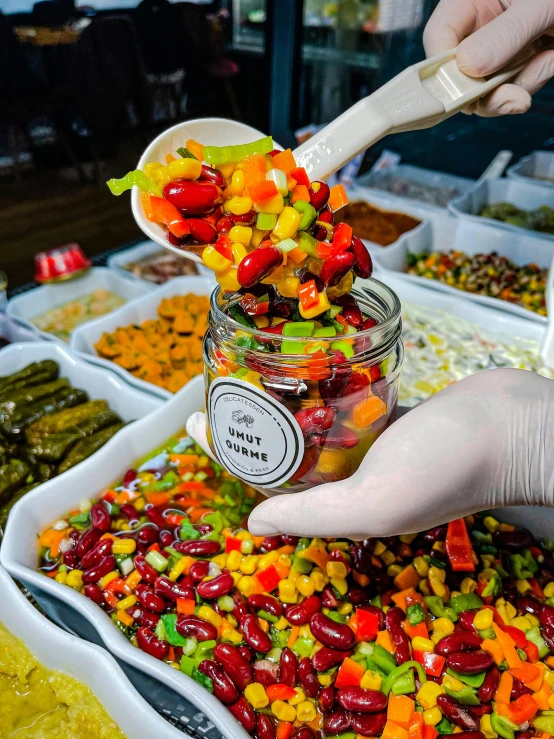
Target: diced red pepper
x=284, y=728
x=458, y=546
x=324, y=250
x=232, y=544
x=517, y=635
x=110, y=496
x=368, y=625
x=174, y=519
x=263, y=190
x=350, y=674
x=223, y=247
x=536, y=589
x=342, y=238
x=301, y=176
x=254, y=307
x=532, y=651
x=164, y=212
x=308, y=295
x=269, y=578
x=280, y=692
x=191, y=486
x=415, y=730
x=433, y=664
x=522, y=709
x=429, y=732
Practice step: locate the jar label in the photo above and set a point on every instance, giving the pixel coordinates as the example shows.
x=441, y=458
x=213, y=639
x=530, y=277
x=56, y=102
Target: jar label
x=255, y=437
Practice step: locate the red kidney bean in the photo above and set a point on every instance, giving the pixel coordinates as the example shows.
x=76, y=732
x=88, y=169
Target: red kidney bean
x=457, y=713
x=149, y=599
x=204, y=528
x=308, y=463
x=516, y=540
x=355, y=391
x=400, y=640
x=166, y=538
x=519, y=689
x=94, y=555
x=326, y=658
x=315, y=420
x=148, y=534
x=244, y=713
x=362, y=700
x=529, y=605
x=100, y=518
x=470, y=662
x=208, y=174
x=326, y=215
x=192, y=198
x=339, y=437
x=433, y=535
x=305, y=732
x=523, y=735
x=307, y=677
x=93, y=592
x=546, y=615
x=332, y=634
x=361, y=559
x=130, y=512
x=337, y=722
x=363, y=266
x=261, y=601
x=149, y=643
x=199, y=570
x=246, y=652
x=224, y=225
x=107, y=564
x=327, y=699
x=469, y=735
x=328, y=598
x=224, y=689
x=155, y=516
x=234, y=663
x=253, y=633
x=480, y=711
x=244, y=218
x=368, y=724
x=257, y=265
x=201, y=231
x=270, y=543
x=194, y=626
x=288, y=667
x=490, y=684
x=319, y=194
x=87, y=541
x=350, y=310
x=358, y=596
x=300, y=614
x=465, y=620
x=335, y=268
x=459, y=641
x=130, y=475
x=145, y=570
x=241, y=606
x=147, y=618
x=368, y=323
x=266, y=672
x=265, y=728
x=220, y=585
x=198, y=547
x=71, y=560
x=290, y=541
x=172, y=590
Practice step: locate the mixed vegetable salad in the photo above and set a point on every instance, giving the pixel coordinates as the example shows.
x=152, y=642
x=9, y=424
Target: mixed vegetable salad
x=540, y=219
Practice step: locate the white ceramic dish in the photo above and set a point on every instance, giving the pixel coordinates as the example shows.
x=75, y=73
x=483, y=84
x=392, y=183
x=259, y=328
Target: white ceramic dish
x=14, y=332
x=521, y=194
x=142, y=309
x=537, y=168
x=445, y=233
x=34, y=302
x=57, y=650
x=73, y=610
x=119, y=261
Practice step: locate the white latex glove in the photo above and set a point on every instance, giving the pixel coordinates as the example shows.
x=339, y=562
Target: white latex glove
x=490, y=34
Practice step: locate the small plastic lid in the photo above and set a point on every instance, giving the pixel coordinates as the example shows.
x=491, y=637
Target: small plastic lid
x=61, y=263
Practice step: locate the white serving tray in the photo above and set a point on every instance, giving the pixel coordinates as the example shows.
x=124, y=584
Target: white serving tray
x=446, y=232
x=40, y=299
x=118, y=261
x=57, y=650
x=75, y=611
x=539, y=164
x=521, y=194
x=135, y=312
x=14, y=331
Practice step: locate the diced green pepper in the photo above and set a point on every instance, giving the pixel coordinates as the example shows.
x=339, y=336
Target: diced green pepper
x=474, y=681
x=416, y=614
x=534, y=635
x=188, y=664
x=438, y=609
x=544, y=722
x=466, y=696
x=172, y=636
x=216, y=155
x=303, y=647
x=293, y=347
x=343, y=346
x=465, y=602
x=503, y=726
x=203, y=680
x=444, y=726
x=308, y=214
x=404, y=684
x=383, y=659
x=266, y=221
x=324, y=332
x=298, y=329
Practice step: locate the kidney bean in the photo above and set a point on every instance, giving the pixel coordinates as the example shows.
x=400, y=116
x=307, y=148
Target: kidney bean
x=253, y=633
x=266, y=672
x=290, y=541
x=194, y=626
x=155, y=516
x=100, y=518
x=332, y=634
x=270, y=543
x=350, y=310
x=490, y=684
x=199, y=570
x=145, y=570
x=268, y=603
x=328, y=598
x=204, y=528
x=257, y=265
x=130, y=475
x=465, y=620
x=166, y=539
x=480, y=711
x=363, y=266
x=208, y=174
x=224, y=225
x=319, y=194
x=201, y=231
x=335, y=268
x=171, y=590
x=244, y=713
x=94, y=555
x=300, y=614
x=327, y=699
x=146, y=618
x=361, y=559
x=469, y=735
x=308, y=276
x=433, y=535
x=265, y=728
x=470, y=662
x=105, y=565
x=71, y=560
x=339, y=437
x=149, y=643
x=93, y=592
x=546, y=615
x=358, y=596
x=198, y=547
x=304, y=732
x=362, y=700
x=307, y=677
x=368, y=724
x=337, y=722
x=400, y=640
x=147, y=534
x=315, y=420
x=129, y=510
x=326, y=658
x=529, y=605
x=288, y=667
x=149, y=599
x=234, y=663
x=519, y=689
x=308, y=463
x=224, y=689
x=457, y=713
x=220, y=585
x=241, y=606
x=369, y=323
x=523, y=735
x=459, y=641
x=515, y=540
x=356, y=390
x=87, y=541
x=246, y=652
x=192, y=198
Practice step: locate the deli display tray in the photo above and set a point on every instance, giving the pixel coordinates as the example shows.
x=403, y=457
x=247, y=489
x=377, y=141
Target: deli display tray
x=536, y=168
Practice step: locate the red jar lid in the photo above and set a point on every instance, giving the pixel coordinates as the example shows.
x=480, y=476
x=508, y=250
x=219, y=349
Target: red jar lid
x=61, y=263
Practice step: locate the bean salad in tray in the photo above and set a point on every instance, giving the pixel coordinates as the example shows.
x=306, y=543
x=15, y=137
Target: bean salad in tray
x=449, y=631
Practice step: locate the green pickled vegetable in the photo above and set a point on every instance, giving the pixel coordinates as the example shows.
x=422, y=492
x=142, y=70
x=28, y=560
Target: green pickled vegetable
x=5, y=509
x=12, y=476
x=48, y=367
x=64, y=419
x=86, y=447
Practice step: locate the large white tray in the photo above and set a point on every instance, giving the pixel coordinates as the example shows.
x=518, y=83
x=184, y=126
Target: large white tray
x=32, y=303
x=91, y=665
x=537, y=168
x=138, y=311
x=14, y=331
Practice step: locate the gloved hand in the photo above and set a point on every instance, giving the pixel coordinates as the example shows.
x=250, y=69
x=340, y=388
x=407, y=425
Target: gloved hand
x=490, y=34
x=485, y=442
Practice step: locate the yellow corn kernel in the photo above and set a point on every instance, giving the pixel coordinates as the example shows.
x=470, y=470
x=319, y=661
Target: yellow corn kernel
x=379, y=548
x=246, y=585
x=421, y=644
x=287, y=591
x=107, y=579
x=284, y=560
x=283, y=711
x=325, y=680
x=438, y=546
x=229, y=633
x=438, y=573
x=270, y=205
x=551, y=702
x=255, y=694
x=254, y=379
x=522, y=622
x=438, y=587
x=203, y=461
x=421, y=566
x=407, y=538
x=428, y=693
x=238, y=206
x=268, y=559
x=179, y=567
x=549, y=590
x=483, y=619
x=293, y=575
x=436, y=636
x=318, y=579
x=342, y=546
x=220, y=560
x=237, y=182
x=288, y=287
x=214, y=260
x=124, y=546
x=249, y=564
x=287, y=223
x=236, y=577
x=228, y=169
x=304, y=632
x=549, y=677
x=388, y=557
x=534, y=620
x=75, y=579
x=467, y=585
x=486, y=727
x=424, y=587
x=523, y=586
x=257, y=237
x=491, y=524
x=506, y=610
x=239, y=252
x=336, y=569
x=321, y=306
x=452, y=683
x=345, y=608
x=507, y=527
x=371, y=680
x=139, y=503
x=305, y=711
x=340, y=584
x=233, y=560
x=300, y=697
x=127, y=602
x=394, y=570
x=444, y=625
x=432, y=716
x=228, y=280
x=208, y=614
x=185, y=169
x=305, y=586
x=281, y=624
x=61, y=577
x=241, y=235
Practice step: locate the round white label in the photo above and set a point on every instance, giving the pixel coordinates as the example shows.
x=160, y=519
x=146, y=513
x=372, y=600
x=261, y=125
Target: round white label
x=255, y=437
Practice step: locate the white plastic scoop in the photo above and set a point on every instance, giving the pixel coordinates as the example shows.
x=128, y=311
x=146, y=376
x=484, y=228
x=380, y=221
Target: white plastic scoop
x=547, y=348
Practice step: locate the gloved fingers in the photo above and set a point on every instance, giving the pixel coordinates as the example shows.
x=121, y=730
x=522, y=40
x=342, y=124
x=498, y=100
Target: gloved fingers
x=508, y=99
x=196, y=429
x=536, y=73
x=451, y=21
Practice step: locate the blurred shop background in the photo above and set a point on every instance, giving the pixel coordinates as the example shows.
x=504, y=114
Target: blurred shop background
x=86, y=84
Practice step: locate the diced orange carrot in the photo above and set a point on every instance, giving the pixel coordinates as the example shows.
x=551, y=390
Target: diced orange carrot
x=195, y=514
x=146, y=204
x=291, y=183
x=362, y=580
x=300, y=192
x=494, y=648
x=181, y=459
x=186, y=606
x=133, y=580
x=384, y=640
x=364, y=414
x=254, y=171
x=541, y=696
x=508, y=646
x=125, y=618
x=296, y=255
x=400, y=598
x=263, y=190
x=504, y=690
x=394, y=731
x=400, y=710
x=196, y=149
x=529, y=674
x=284, y=160
x=169, y=158
x=157, y=498
x=52, y=540
x=337, y=198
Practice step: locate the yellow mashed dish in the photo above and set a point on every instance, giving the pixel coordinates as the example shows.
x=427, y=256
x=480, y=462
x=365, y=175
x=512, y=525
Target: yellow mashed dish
x=37, y=703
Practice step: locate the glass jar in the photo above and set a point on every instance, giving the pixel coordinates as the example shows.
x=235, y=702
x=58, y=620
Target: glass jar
x=289, y=421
